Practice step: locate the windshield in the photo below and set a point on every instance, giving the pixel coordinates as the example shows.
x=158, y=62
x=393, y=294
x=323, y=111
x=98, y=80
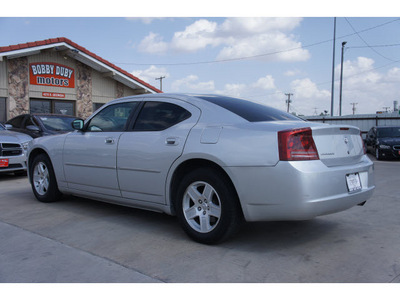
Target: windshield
x=1, y=127
x=388, y=132
x=57, y=123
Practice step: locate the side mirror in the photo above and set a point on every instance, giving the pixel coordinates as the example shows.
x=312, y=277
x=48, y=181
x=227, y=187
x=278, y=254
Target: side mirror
x=78, y=124
x=8, y=126
x=33, y=128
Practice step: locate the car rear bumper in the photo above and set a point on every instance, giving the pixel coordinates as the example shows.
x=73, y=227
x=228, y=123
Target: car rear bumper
x=299, y=190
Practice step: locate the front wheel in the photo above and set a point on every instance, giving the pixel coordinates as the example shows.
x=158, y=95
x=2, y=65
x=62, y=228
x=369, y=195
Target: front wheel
x=43, y=180
x=207, y=206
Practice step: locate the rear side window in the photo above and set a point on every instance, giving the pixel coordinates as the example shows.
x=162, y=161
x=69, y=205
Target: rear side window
x=157, y=116
x=252, y=112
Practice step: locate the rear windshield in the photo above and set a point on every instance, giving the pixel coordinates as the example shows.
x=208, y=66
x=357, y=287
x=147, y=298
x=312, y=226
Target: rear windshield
x=251, y=111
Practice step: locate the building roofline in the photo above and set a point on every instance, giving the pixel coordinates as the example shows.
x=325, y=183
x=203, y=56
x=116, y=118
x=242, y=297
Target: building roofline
x=80, y=52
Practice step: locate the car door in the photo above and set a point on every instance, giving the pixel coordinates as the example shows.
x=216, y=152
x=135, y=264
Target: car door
x=146, y=153
x=90, y=156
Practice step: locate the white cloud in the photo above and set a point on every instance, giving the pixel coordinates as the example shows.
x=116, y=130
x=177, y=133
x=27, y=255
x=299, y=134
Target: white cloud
x=368, y=87
x=264, y=38
x=150, y=74
x=305, y=88
x=363, y=84
x=308, y=98
x=233, y=89
x=191, y=83
x=145, y=20
x=265, y=83
x=246, y=26
x=290, y=73
x=153, y=43
x=196, y=36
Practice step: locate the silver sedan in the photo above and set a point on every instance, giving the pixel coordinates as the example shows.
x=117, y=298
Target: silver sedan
x=213, y=161
x=13, y=147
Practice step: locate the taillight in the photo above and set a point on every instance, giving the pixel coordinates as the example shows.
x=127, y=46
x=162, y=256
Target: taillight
x=297, y=144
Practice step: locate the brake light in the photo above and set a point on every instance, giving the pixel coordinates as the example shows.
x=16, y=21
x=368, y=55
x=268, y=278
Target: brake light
x=297, y=144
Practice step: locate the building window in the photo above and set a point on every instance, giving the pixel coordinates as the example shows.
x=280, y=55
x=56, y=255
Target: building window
x=52, y=106
x=3, y=112
x=97, y=105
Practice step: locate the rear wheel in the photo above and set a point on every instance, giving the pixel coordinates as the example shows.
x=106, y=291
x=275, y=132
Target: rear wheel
x=43, y=180
x=207, y=206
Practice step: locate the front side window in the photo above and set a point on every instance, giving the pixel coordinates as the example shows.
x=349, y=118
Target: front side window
x=16, y=122
x=157, y=116
x=112, y=118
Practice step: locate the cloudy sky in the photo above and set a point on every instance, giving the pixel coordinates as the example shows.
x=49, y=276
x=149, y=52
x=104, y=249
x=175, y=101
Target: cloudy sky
x=257, y=58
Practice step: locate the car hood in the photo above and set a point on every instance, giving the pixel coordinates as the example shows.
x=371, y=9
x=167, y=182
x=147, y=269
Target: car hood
x=391, y=141
x=7, y=136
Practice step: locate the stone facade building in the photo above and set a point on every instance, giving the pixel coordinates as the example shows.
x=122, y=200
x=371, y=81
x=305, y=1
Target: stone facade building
x=59, y=76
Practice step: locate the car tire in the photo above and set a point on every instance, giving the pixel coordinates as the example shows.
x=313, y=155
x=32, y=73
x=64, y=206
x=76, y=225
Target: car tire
x=378, y=155
x=207, y=206
x=43, y=180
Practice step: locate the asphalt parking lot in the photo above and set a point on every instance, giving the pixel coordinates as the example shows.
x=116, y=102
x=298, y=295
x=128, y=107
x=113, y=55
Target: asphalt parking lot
x=78, y=240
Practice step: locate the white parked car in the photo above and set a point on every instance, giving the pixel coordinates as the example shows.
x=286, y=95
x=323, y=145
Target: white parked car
x=13, y=147
x=210, y=160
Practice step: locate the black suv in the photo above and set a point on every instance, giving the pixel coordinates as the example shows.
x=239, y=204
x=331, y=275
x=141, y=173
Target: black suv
x=384, y=141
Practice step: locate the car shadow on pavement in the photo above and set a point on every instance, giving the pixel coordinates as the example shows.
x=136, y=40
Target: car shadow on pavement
x=272, y=236
x=131, y=223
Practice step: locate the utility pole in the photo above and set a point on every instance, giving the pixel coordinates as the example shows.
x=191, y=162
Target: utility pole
x=160, y=78
x=333, y=65
x=341, y=80
x=288, y=101
x=354, y=107
x=386, y=108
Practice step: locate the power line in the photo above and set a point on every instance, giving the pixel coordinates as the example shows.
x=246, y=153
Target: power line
x=259, y=55
x=374, y=46
x=366, y=42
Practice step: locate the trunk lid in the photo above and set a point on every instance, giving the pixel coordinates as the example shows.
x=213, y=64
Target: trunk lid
x=338, y=145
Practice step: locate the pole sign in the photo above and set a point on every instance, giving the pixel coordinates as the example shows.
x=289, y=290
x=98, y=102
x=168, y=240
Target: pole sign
x=51, y=74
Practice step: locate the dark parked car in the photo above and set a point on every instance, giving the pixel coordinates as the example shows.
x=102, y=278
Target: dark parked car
x=37, y=125
x=384, y=141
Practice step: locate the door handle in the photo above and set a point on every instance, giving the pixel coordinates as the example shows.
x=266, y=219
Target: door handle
x=109, y=141
x=171, y=141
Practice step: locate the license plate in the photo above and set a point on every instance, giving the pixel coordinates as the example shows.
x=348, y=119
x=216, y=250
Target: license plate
x=353, y=182
x=4, y=163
